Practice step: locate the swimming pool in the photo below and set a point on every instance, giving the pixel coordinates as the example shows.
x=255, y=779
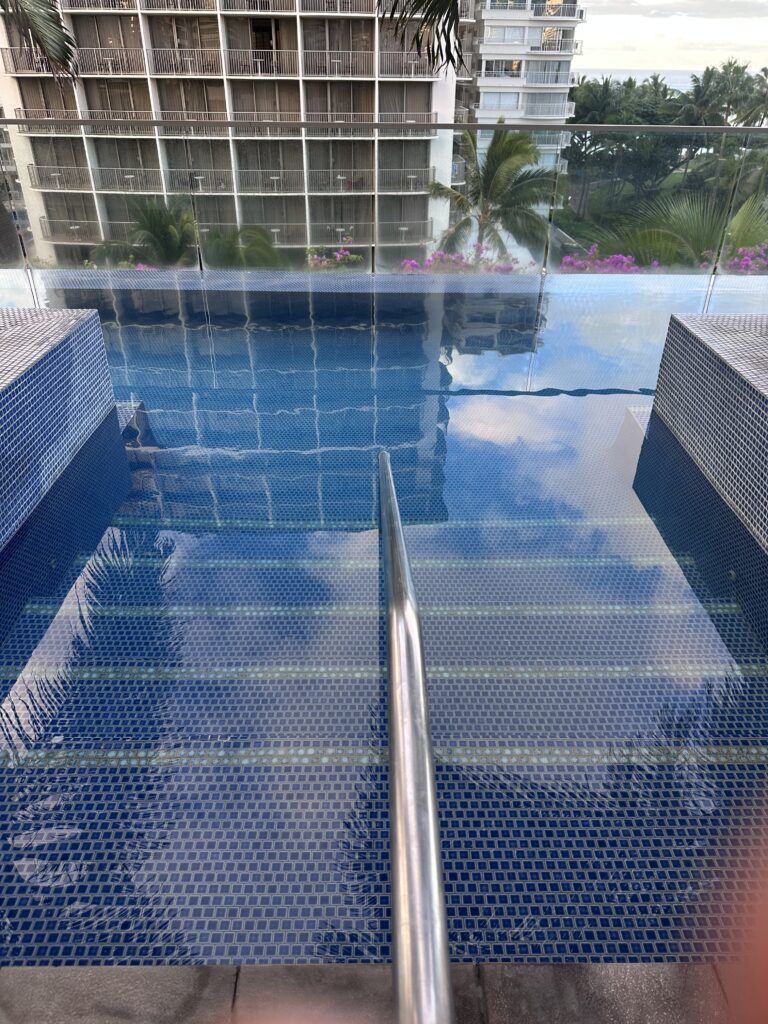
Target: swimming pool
x=194, y=712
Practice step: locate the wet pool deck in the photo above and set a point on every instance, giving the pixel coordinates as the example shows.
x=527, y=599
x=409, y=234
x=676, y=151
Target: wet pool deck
x=360, y=994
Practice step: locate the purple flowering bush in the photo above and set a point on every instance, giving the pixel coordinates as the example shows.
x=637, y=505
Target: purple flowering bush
x=319, y=259
x=593, y=263
x=480, y=260
x=744, y=260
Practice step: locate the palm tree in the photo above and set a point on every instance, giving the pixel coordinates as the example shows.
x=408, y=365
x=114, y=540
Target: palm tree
x=168, y=236
x=702, y=104
x=502, y=192
x=246, y=247
x=38, y=24
x=687, y=228
x=755, y=109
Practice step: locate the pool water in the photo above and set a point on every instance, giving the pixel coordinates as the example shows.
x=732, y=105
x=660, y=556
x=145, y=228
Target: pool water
x=194, y=701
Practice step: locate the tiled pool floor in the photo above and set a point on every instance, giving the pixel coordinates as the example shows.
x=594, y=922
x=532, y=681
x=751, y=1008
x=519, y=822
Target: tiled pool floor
x=194, y=717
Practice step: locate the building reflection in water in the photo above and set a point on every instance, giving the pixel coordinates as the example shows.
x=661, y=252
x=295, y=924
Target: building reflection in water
x=295, y=393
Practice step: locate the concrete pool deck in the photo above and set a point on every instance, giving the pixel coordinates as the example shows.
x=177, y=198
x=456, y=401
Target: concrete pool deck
x=360, y=994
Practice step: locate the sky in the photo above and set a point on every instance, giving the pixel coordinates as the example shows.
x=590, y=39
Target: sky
x=672, y=35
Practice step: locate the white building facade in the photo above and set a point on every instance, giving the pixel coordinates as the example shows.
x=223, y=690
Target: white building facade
x=266, y=65
x=523, y=60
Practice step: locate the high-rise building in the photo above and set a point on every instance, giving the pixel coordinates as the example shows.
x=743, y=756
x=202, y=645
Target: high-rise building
x=523, y=59
x=266, y=65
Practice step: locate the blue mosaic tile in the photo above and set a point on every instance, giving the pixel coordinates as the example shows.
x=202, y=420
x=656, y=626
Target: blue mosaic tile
x=193, y=725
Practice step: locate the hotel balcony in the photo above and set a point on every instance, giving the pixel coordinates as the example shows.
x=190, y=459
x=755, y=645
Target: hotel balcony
x=536, y=9
x=404, y=64
x=185, y=62
x=334, y=180
x=183, y=179
x=338, y=234
x=466, y=9
x=107, y=60
x=270, y=124
x=70, y=179
x=179, y=123
x=338, y=6
x=338, y=63
x=410, y=124
x=98, y=5
x=128, y=179
x=556, y=45
x=119, y=122
x=558, y=109
x=22, y=60
x=48, y=122
x=399, y=233
x=560, y=78
x=154, y=6
x=257, y=6
x=286, y=234
x=277, y=181
x=409, y=179
x=74, y=231
x=267, y=63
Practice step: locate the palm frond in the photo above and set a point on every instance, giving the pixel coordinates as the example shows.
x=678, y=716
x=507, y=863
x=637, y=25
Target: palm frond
x=38, y=23
x=456, y=236
x=430, y=27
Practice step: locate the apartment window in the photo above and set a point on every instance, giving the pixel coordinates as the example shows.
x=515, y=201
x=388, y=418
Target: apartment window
x=504, y=34
x=500, y=100
x=502, y=68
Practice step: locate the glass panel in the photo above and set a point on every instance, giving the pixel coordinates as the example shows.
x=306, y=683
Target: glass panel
x=453, y=214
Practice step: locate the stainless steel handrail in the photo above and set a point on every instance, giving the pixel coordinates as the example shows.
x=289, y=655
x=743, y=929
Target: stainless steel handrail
x=419, y=929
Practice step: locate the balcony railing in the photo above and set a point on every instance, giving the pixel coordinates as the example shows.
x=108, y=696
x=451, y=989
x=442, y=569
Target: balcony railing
x=98, y=5
x=409, y=179
x=533, y=77
x=179, y=123
x=546, y=10
x=338, y=63
x=128, y=179
x=339, y=6
x=404, y=64
x=185, y=62
x=360, y=180
x=80, y=231
x=21, y=60
x=489, y=72
x=537, y=8
x=279, y=181
x=106, y=60
x=556, y=108
x=269, y=63
x=119, y=122
x=47, y=122
x=266, y=123
x=182, y=179
x=341, y=234
x=257, y=6
x=412, y=123
x=556, y=45
x=178, y=5
x=286, y=234
x=69, y=178
x=404, y=232
x=345, y=123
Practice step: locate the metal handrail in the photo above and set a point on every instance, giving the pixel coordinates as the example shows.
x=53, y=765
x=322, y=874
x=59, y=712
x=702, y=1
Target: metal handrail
x=419, y=929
